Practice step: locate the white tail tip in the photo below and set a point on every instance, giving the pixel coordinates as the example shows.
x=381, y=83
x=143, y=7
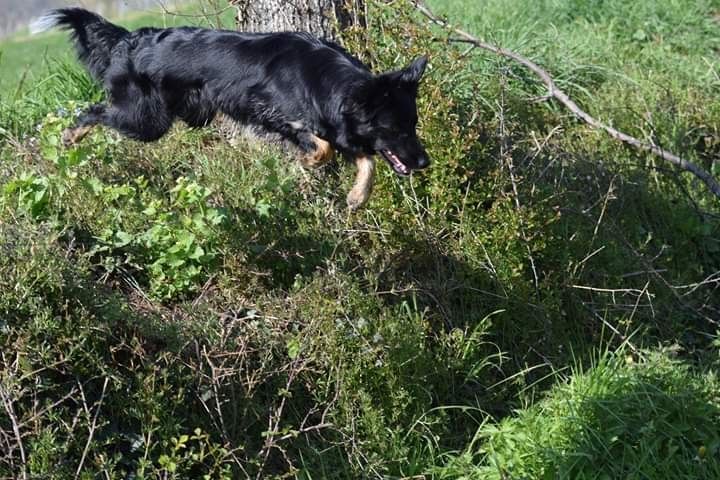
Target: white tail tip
x=44, y=23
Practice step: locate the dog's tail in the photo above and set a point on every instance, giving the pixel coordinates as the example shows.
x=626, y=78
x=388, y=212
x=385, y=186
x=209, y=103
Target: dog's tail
x=94, y=37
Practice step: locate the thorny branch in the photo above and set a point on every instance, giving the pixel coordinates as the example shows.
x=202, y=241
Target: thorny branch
x=562, y=97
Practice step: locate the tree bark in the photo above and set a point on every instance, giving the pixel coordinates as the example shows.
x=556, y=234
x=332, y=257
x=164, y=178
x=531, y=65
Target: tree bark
x=319, y=17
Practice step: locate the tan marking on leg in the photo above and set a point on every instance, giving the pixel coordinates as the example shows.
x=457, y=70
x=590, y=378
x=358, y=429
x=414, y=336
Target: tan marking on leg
x=360, y=192
x=71, y=136
x=323, y=154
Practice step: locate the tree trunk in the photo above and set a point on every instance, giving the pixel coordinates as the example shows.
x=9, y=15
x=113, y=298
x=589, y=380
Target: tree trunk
x=319, y=17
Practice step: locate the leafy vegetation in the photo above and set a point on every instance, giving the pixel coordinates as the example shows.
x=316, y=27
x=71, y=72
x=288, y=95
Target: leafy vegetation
x=540, y=303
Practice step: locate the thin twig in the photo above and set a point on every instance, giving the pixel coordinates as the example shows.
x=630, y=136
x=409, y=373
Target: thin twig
x=43, y=411
x=713, y=278
x=631, y=291
x=275, y=418
x=617, y=332
x=311, y=428
x=8, y=404
x=562, y=97
x=92, y=427
x=506, y=155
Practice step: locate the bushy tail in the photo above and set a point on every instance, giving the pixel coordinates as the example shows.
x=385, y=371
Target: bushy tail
x=94, y=37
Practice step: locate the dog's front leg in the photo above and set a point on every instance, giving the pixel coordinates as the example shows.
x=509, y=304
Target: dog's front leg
x=360, y=192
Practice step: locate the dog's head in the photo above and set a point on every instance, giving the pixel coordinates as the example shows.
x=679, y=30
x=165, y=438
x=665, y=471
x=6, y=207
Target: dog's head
x=382, y=114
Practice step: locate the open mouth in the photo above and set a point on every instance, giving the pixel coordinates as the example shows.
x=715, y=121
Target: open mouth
x=395, y=163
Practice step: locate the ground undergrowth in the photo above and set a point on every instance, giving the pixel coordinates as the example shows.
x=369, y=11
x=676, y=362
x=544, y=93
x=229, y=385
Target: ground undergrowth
x=540, y=303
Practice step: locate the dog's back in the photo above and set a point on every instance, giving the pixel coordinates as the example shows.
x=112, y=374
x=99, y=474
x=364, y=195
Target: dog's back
x=194, y=67
x=193, y=49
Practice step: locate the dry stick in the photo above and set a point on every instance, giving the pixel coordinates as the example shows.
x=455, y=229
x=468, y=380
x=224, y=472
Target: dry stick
x=506, y=155
x=92, y=427
x=562, y=97
x=8, y=405
x=270, y=440
x=46, y=409
x=220, y=422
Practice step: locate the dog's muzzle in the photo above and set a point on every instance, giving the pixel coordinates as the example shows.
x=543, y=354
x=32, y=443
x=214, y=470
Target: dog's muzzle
x=395, y=162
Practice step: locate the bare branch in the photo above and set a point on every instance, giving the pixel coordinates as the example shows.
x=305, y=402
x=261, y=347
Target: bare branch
x=8, y=406
x=91, y=428
x=562, y=97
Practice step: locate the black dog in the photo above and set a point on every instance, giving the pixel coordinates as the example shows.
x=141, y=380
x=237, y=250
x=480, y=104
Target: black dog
x=310, y=91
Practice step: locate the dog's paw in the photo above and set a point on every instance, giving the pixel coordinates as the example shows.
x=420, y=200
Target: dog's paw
x=72, y=136
x=315, y=159
x=68, y=137
x=311, y=161
x=357, y=198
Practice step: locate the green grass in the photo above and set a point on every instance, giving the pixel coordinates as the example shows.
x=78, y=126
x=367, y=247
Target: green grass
x=188, y=308
x=620, y=419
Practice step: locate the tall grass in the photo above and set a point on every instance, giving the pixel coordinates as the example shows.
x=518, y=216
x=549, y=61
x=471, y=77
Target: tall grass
x=626, y=417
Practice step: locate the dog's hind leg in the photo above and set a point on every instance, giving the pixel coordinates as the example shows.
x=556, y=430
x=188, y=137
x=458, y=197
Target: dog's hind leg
x=362, y=188
x=320, y=153
x=145, y=119
x=87, y=120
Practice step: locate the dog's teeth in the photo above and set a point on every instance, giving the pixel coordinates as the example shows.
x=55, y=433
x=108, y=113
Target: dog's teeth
x=396, y=163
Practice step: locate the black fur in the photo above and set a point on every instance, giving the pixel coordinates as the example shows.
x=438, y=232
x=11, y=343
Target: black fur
x=289, y=83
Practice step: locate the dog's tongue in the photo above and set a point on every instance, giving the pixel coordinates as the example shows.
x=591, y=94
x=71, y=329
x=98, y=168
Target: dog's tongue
x=396, y=163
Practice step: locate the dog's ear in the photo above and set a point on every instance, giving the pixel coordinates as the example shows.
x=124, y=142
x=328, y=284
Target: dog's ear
x=373, y=92
x=413, y=72
x=408, y=78
x=370, y=94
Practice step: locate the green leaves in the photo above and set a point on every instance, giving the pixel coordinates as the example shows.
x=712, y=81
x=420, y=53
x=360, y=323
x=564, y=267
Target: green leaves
x=53, y=150
x=293, y=348
x=32, y=192
x=122, y=239
x=172, y=236
x=29, y=193
x=186, y=452
x=178, y=246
